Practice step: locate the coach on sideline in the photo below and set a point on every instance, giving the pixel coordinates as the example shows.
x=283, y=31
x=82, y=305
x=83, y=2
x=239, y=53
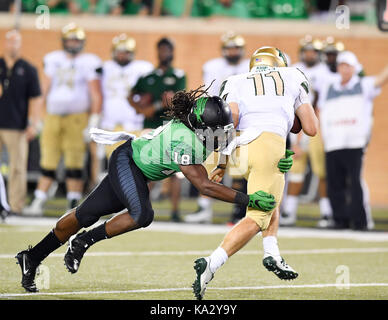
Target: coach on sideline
x=20, y=115
x=345, y=109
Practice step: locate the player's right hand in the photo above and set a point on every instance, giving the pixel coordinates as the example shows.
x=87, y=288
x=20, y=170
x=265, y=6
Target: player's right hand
x=261, y=200
x=217, y=174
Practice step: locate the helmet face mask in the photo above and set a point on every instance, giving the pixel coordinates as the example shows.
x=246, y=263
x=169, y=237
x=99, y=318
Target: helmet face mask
x=123, y=49
x=73, y=39
x=233, y=47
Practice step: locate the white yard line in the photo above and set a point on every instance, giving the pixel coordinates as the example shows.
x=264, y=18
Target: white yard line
x=320, y=285
x=208, y=252
x=25, y=224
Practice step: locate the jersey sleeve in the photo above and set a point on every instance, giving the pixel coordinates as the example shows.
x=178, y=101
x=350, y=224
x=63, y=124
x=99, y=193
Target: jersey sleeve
x=180, y=81
x=93, y=68
x=33, y=89
x=228, y=91
x=368, y=84
x=49, y=65
x=303, y=87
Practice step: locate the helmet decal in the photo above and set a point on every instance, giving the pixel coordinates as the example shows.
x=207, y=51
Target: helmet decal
x=200, y=108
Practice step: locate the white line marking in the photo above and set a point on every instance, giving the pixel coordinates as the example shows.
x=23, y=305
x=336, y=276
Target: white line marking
x=186, y=228
x=207, y=252
x=302, y=286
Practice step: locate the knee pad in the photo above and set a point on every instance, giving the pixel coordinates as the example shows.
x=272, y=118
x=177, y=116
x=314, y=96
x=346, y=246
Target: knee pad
x=145, y=219
x=48, y=173
x=73, y=173
x=85, y=218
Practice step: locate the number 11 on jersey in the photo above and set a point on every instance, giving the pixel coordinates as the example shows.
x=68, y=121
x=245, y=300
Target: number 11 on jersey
x=259, y=83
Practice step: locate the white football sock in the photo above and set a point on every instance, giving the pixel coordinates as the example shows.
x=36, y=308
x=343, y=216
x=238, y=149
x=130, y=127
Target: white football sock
x=41, y=195
x=270, y=246
x=72, y=195
x=217, y=259
x=291, y=205
x=205, y=202
x=325, y=207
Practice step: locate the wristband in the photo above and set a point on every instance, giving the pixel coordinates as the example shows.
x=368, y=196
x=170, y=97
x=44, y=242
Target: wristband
x=241, y=198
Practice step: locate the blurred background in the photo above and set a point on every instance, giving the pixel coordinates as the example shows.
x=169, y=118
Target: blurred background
x=196, y=28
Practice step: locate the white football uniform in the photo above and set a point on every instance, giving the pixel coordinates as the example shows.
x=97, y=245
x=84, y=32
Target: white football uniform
x=219, y=69
x=69, y=92
x=117, y=82
x=267, y=98
x=314, y=74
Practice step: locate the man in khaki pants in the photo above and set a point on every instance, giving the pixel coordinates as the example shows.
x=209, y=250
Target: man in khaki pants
x=20, y=115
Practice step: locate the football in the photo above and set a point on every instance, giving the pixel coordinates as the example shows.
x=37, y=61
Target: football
x=297, y=126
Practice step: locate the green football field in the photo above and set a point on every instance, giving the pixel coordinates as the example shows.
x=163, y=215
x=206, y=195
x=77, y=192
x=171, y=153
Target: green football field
x=157, y=263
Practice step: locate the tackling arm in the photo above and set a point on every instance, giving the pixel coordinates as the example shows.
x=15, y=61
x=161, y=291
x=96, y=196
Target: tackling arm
x=197, y=175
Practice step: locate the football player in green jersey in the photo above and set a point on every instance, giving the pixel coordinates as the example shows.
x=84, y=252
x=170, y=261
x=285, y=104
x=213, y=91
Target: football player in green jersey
x=182, y=144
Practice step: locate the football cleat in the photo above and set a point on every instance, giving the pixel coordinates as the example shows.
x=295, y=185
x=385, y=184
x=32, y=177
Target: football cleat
x=287, y=219
x=201, y=216
x=279, y=267
x=75, y=252
x=325, y=222
x=28, y=268
x=204, y=276
x=35, y=208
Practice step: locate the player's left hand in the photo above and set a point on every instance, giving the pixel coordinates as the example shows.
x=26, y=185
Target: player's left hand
x=261, y=200
x=285, y=163
x=217, y=174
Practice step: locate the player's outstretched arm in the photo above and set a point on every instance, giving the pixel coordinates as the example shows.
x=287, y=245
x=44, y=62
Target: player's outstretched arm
x=309, y=120
x=382, y=78
x=197, y=175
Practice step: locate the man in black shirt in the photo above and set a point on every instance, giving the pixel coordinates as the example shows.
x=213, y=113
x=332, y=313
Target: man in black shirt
x=20, y=115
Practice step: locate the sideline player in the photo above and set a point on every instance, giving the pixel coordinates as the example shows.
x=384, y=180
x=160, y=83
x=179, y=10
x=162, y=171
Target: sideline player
x=307, y=147
x=215, y=71
x=73, y=102
x=199, y=124
x=119, y=75
x=264, y=102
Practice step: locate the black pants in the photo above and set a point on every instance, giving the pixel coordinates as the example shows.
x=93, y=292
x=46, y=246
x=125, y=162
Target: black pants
x=125, y=186
x=344, y=187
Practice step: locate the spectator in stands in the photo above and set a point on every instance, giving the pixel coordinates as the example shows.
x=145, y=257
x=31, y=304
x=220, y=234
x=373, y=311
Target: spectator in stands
x=138, y=7
x=6, y=5
x=20, y=115
x=220, y=8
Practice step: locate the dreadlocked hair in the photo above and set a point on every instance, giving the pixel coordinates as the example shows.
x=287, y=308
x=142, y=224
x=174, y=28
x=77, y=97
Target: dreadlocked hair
x=182, y=102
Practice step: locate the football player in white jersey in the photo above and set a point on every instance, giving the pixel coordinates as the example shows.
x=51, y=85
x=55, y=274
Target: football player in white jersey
x=306, y=147
x=72, y=92
x=215, y=71
x=119, y=75
x=264, y=103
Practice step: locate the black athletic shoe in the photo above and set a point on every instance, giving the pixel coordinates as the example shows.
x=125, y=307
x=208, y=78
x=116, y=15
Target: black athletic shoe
x=175, y=217
x=28, y=268
x=75, y=252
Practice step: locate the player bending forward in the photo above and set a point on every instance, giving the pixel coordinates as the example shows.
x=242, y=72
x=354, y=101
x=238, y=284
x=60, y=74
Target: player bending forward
x=263, y=102
x=180, y=145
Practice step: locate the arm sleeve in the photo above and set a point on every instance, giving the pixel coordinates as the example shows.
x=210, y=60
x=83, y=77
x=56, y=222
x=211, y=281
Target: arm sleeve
x=49, y=66
x=33, y=89
x=92, y=72
x=368, y=84
x=228, y=92
x=181, y=83
x=302, y=98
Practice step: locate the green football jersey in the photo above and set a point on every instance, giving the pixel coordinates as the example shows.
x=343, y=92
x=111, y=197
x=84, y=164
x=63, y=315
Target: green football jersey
x=159, y=153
